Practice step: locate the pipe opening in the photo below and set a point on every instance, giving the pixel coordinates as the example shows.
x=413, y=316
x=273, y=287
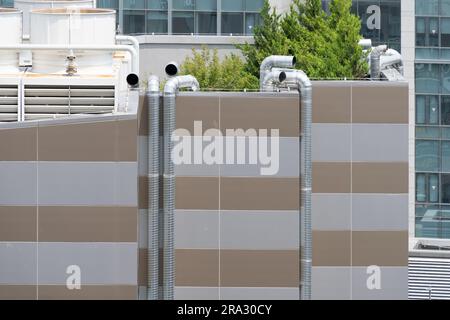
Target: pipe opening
x=282, y=76
x=171, y=69
x=132, y=80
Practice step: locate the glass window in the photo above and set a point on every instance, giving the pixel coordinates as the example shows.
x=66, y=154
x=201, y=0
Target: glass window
x=427, y=155
x=206, y=23
x=427, y=78
x=445, y=7
x=254, y=5
x=232, y=23
x=157, y=22
x=445, y=110
x=390, y=21
x=427, y=221
x=134, y=4
x=420, y=32
x=445, y=84
x=113, y=4
x=157, y=4
x=206, y=5
x=433, y=188
x=445, y=32
x=445, y=156
x=427, y=7
x=445, y=188
x=233, y=5
x=251, y=20
x=134, y=21
x=182, y=22
x=427, y=132
x=183, y=4
x=427, y=110
x=421, y=187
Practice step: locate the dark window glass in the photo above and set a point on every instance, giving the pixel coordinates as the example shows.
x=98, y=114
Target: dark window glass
x=157, y=22
x=427, y=221
x=445, y=32
x=427, y=7
x=232, y=23
x=134, y=21
x=445, y=7
x=251, y=20
x=427, y=78
x=182, y=22
x=445, y=188
x=254, y=5
x=427, y=110
x=445, y=110
x=206, y=22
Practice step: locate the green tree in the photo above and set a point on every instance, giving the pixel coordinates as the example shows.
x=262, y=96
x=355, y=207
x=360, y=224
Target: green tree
x=212, y=73
x=326, y=46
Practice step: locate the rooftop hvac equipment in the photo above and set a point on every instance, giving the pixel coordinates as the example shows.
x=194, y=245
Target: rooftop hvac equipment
x=10, y=34
x=26, y=6
x=69, y=26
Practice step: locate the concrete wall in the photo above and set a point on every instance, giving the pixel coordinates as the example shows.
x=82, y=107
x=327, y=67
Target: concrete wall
x=157, y=51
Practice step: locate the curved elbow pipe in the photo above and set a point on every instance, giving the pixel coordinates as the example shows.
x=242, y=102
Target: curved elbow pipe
x=274, y=61
x=375, y=67
x=365, y=43
x=391, y=58
x=304, y=86
x=271, y=78
x=129, y=40
x=153, y=189
x=170, y=90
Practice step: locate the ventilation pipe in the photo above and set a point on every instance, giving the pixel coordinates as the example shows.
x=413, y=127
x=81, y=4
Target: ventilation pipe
x=366, y=44
x=274, y=61
x=391, y=58
x=375, y=61
x=153, y=189
x=271, y=78
x=170, y=90
x=303, y=85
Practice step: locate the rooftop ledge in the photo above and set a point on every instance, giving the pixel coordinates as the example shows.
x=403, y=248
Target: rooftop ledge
x=193, y=39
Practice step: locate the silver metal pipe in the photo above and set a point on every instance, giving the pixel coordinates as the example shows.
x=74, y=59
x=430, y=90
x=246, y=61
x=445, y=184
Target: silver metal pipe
x=271, y=78
x=303, y=84
x=365, y=43
x=153, y=189
x=170, y=90
x=375, y=61
x=392, y=58
x=129, y=40
x=274, y=61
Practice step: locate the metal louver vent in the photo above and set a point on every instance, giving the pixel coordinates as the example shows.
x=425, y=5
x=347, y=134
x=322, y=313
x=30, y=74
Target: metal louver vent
x=55, y=101
x=429, y=278
x=9, y=102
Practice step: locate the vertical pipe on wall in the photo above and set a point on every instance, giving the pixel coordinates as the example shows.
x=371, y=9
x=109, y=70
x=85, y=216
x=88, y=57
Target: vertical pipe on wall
x=375, y=67
x=153, y=188
x=304, y=87
x=170, y=90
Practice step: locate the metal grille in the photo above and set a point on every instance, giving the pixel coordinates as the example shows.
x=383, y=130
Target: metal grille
x=429, y=278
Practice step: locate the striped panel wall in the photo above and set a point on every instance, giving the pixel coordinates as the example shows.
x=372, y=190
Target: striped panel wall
x=360, y=189
x=237, y=231
x=68, y=197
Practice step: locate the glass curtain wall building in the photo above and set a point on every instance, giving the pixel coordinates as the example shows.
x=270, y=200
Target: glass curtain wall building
x=197, y=17
x=380, y=20
x=432, y=73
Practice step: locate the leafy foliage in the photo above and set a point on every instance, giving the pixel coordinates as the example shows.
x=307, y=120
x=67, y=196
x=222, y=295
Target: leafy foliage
x=211, y=72
x=325, y=45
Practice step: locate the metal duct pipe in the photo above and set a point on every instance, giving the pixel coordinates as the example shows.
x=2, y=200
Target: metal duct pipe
x=390, y=58
x=68, y=47
x=365, y=43
x=375, y=61
x=170, y=90
x=272, y=77
x=303, y=84
x=274, y=61
x=129, y=40
x=153, y=189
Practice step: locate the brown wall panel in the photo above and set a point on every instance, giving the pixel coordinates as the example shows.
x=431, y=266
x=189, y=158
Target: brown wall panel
x=18, y=292
x=380, y=248
x=197, y=268
x=389, y=177
x=261, y=113
x=380, y=103
x=331, y=177
x=197, y=193
x=202, y=108
x=244, y=193
x=331, y=104
x=18, y=144
x=331, y=248
x=88, y=292
x=87, y=224
x=18, y=223
x=259, y=268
